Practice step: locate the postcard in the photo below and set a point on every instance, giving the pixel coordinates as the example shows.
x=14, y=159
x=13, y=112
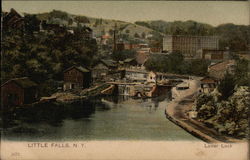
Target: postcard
x=125, y=80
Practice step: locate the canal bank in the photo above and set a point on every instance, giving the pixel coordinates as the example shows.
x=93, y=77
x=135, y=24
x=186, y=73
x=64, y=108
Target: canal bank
x=177, y=112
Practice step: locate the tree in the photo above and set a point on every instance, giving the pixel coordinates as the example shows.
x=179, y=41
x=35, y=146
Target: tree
x=81, y=19
x=143, y=35
x=199, y=67
x=242, y=72
x=136, y=35
x=31, y=23
x=122, y=55
x=58, y=14
x=226, y=86
x=111, y=32
x=43, y=57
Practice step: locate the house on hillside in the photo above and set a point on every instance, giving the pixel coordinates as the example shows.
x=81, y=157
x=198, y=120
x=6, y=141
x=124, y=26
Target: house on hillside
x=12, y=20
x=87, y=33
x=52, y=28
x=76, y=77
x=102, y=69
x=120, y=46
x=18, y=91
x=105, y=39
x=218, y=70
x=208, y=84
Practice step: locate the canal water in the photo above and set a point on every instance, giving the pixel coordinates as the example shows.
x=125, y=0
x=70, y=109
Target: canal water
x=104, y=118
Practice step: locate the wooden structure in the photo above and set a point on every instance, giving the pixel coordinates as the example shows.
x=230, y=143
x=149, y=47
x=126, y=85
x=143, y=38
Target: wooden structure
x=76, y=77
x=208, y=84
x=137, y=89
x=212, y=54
x=18, y=91
x=13, y=20
x=102, y=69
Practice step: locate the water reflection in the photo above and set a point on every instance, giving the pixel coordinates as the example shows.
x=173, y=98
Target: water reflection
x=100, y=118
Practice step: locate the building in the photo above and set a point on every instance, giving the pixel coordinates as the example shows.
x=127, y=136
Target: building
x=76, y=77
x=142, y=55
x=208, y=84
x=18, y=91
x=152, y=77
x=84, y=32
x=102, y=69
x=189, y=45
x=12, y=20
x=218, y=70
x=128, y=63
x=106, y=39
x=120, y=46
x=155, y=50
x=87, y=32
x=214, y=54
x=136, y=75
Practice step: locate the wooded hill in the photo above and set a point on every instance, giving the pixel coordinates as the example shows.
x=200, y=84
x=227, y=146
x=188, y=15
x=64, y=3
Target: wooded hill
x=99, y=25
x=235, y=37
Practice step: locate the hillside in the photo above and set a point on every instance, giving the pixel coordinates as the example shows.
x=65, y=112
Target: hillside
x=99, y=25
x=234, y=37
x=178, y=27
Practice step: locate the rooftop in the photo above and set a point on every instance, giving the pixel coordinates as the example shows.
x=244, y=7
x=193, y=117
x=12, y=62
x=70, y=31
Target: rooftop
x=23, y=82
x=109, y=63
x=221, y=65
x=80, y=68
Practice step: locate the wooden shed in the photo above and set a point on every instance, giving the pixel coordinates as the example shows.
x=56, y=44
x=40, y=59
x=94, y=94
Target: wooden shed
x=76, y=77
x=18, y=91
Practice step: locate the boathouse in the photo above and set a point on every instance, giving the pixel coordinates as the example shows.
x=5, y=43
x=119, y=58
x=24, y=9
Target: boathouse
x=76, y=77
x=18, y=91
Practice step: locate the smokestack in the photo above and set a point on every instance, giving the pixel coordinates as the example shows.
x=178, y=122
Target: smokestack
x=114, y=49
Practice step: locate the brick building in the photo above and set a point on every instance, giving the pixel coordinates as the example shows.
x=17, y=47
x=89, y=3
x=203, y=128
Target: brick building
x=18, y=91
x=189, y=45
x=76, y=77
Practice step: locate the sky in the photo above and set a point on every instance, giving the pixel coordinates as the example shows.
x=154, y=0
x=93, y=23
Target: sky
x=211, y=12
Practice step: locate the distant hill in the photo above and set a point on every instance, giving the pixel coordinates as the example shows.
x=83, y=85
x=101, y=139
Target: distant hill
x=178, y=27
x=234, y=37
x=99, y=25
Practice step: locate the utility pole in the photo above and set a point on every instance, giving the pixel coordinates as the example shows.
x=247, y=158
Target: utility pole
x=115, y=28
